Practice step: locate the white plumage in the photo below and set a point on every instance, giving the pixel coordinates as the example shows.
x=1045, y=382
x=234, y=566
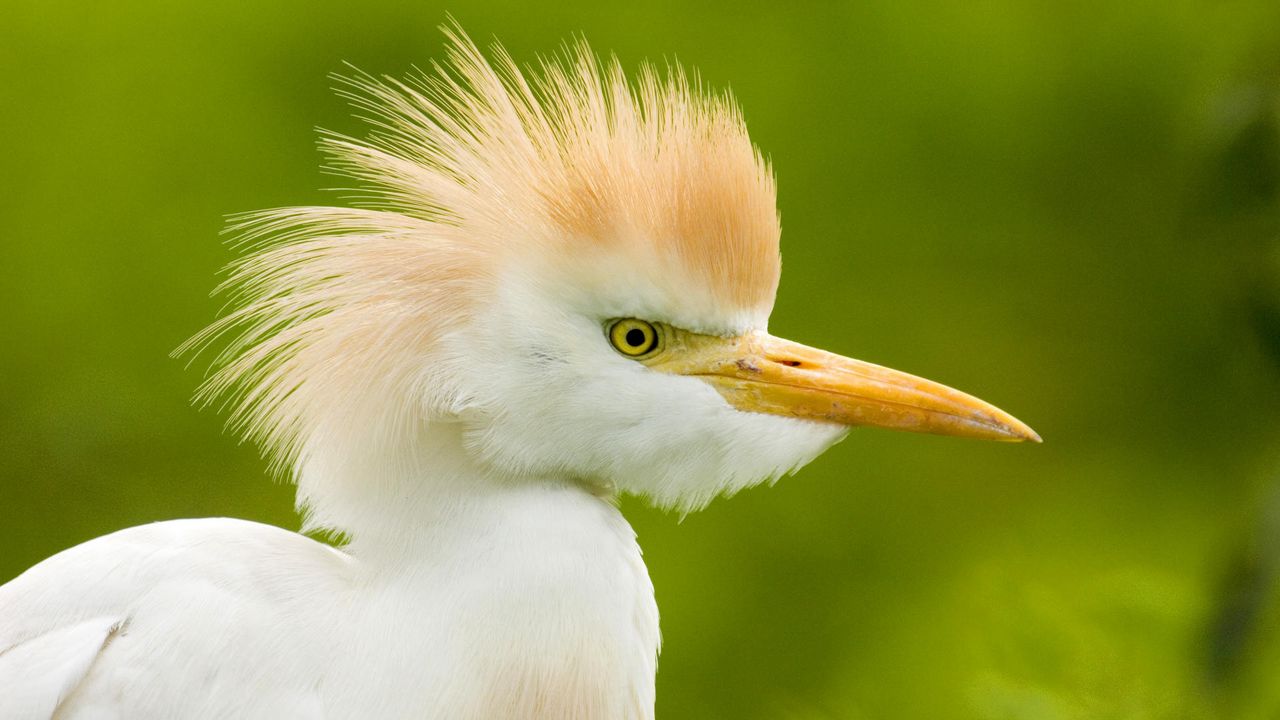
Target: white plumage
x=557, y=292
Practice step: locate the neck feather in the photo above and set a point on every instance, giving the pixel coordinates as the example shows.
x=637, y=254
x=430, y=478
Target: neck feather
x=449, y=544
x=390, y=489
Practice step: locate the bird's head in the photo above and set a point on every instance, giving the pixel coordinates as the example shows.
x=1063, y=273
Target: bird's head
x=574, y=272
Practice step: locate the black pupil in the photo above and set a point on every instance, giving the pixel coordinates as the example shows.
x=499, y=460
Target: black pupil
x=635, y=337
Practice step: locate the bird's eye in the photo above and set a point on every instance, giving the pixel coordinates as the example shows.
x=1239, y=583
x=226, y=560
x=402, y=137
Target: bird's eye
x=634, y=338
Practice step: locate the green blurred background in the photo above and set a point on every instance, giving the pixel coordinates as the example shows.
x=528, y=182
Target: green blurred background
x=1069, y=209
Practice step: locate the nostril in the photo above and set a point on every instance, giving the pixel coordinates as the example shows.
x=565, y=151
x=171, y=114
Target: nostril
x=790, y=363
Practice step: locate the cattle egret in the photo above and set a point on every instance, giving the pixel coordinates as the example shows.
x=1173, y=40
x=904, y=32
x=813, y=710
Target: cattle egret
x=555, y=290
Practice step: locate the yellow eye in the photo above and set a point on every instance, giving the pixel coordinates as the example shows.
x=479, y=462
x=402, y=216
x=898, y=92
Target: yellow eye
x=634, y=338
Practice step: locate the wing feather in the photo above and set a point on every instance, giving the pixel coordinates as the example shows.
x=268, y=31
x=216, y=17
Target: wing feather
x=39, y=674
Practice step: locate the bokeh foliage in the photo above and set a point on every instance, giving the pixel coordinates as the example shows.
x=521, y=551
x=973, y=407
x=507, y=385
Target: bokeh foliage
x=1069, y=209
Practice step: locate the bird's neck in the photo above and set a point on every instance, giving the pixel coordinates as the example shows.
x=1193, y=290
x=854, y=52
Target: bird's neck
x=393, y=497
x=543, y=579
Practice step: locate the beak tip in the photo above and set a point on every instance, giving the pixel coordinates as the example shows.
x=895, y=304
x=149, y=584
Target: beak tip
x=1021, y=432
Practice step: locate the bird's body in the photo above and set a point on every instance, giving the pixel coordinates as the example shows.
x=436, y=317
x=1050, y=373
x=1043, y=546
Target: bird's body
x=127, y=624
x=560, y=294
x=217, y=618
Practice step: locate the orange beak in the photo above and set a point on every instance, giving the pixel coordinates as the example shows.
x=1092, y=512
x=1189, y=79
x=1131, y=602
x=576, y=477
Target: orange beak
x=760, y=373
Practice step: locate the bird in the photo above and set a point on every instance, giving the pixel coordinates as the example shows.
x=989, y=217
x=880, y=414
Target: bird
x=550, y=288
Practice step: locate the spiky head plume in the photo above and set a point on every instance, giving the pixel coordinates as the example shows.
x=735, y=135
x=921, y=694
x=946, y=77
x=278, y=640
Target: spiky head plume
x=470, y=169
